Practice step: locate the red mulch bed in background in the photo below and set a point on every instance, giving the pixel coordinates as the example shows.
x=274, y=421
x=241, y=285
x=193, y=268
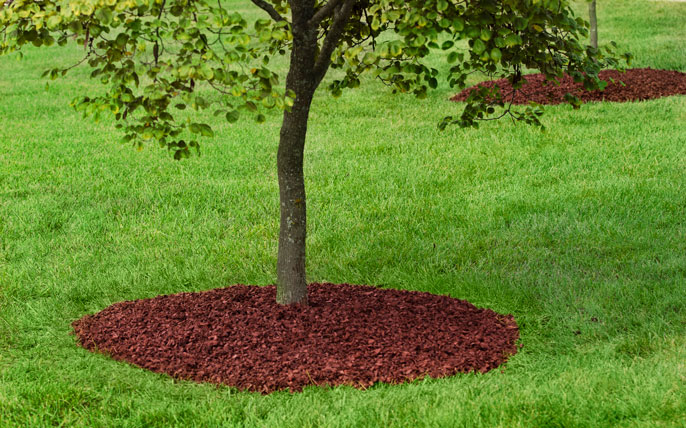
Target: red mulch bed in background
x=640, y=84
x=355, y=335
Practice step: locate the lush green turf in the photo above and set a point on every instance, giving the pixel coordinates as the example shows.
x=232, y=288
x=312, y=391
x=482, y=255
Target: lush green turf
x=584, y=222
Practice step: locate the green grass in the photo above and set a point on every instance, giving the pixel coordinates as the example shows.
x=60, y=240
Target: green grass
x=585, y=221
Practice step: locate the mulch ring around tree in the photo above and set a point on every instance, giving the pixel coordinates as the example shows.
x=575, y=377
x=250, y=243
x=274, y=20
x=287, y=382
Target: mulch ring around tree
x=354, y=335
x=637, y=84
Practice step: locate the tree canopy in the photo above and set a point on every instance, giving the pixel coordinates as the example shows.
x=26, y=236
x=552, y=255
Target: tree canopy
x=155, y=55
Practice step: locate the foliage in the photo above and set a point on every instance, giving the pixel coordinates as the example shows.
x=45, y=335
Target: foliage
x=155, y=54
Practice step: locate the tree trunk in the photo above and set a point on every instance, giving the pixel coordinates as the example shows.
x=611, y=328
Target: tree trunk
x=594, y=24
x=291, y=285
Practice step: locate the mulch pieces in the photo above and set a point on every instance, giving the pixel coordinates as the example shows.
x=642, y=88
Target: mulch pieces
x=636, y=84
x=353, y=335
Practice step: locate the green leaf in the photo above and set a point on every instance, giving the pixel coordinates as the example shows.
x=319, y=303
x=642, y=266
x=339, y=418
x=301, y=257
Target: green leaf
x=205, y=130
x=473, y=32
x=521, y=24
x=121, y=40
x=181, y=153
x=54, y=21
x=268, y=102
x=479, y=46
x=385, y=50
x=396, y=49
x=232, y=116
x=513, y=40
x=288, y=101
x=375, y=23
x=104, y=15
x=369, y=58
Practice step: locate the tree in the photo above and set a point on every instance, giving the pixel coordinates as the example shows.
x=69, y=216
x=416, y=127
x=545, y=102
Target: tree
x=594, y=24
x=159, y=57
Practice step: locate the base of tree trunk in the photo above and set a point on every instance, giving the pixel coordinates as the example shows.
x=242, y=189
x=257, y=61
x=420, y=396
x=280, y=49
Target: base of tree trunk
x=353, y=335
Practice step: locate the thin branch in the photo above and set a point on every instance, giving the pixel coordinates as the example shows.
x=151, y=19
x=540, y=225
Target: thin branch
x=262, y=4
x=156, y=50
x=88, y=54
x=324, y=12
x=340, y=19
x=371, y=31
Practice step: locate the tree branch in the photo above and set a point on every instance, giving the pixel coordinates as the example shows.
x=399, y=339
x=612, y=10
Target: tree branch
x=262, y=4
x=324, y=12
x=340, y=18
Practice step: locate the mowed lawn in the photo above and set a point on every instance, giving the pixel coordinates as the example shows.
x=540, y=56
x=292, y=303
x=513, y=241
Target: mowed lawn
x=579, y=232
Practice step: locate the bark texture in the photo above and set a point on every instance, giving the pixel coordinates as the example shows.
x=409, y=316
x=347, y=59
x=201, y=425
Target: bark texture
x=291, y=282
x=594, y=24
x=309, y=64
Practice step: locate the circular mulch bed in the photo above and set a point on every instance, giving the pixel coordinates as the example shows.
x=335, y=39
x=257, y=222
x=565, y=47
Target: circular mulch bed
x=639, y=84
x=354, y=335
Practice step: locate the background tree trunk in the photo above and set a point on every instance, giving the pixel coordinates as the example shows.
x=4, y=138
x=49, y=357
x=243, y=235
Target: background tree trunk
x=291, y=280
x=594, y=24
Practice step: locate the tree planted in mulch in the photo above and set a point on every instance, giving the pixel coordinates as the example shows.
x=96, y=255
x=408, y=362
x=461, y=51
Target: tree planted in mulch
x=159, y=58
x=155, y=56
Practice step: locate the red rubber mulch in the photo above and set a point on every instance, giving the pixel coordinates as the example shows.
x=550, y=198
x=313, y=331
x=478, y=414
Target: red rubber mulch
x=640, y=84
x=354, y=335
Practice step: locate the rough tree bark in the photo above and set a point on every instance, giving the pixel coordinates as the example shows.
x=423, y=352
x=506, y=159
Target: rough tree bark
x=309, y=64
x=594, y=24
x=291, y=283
